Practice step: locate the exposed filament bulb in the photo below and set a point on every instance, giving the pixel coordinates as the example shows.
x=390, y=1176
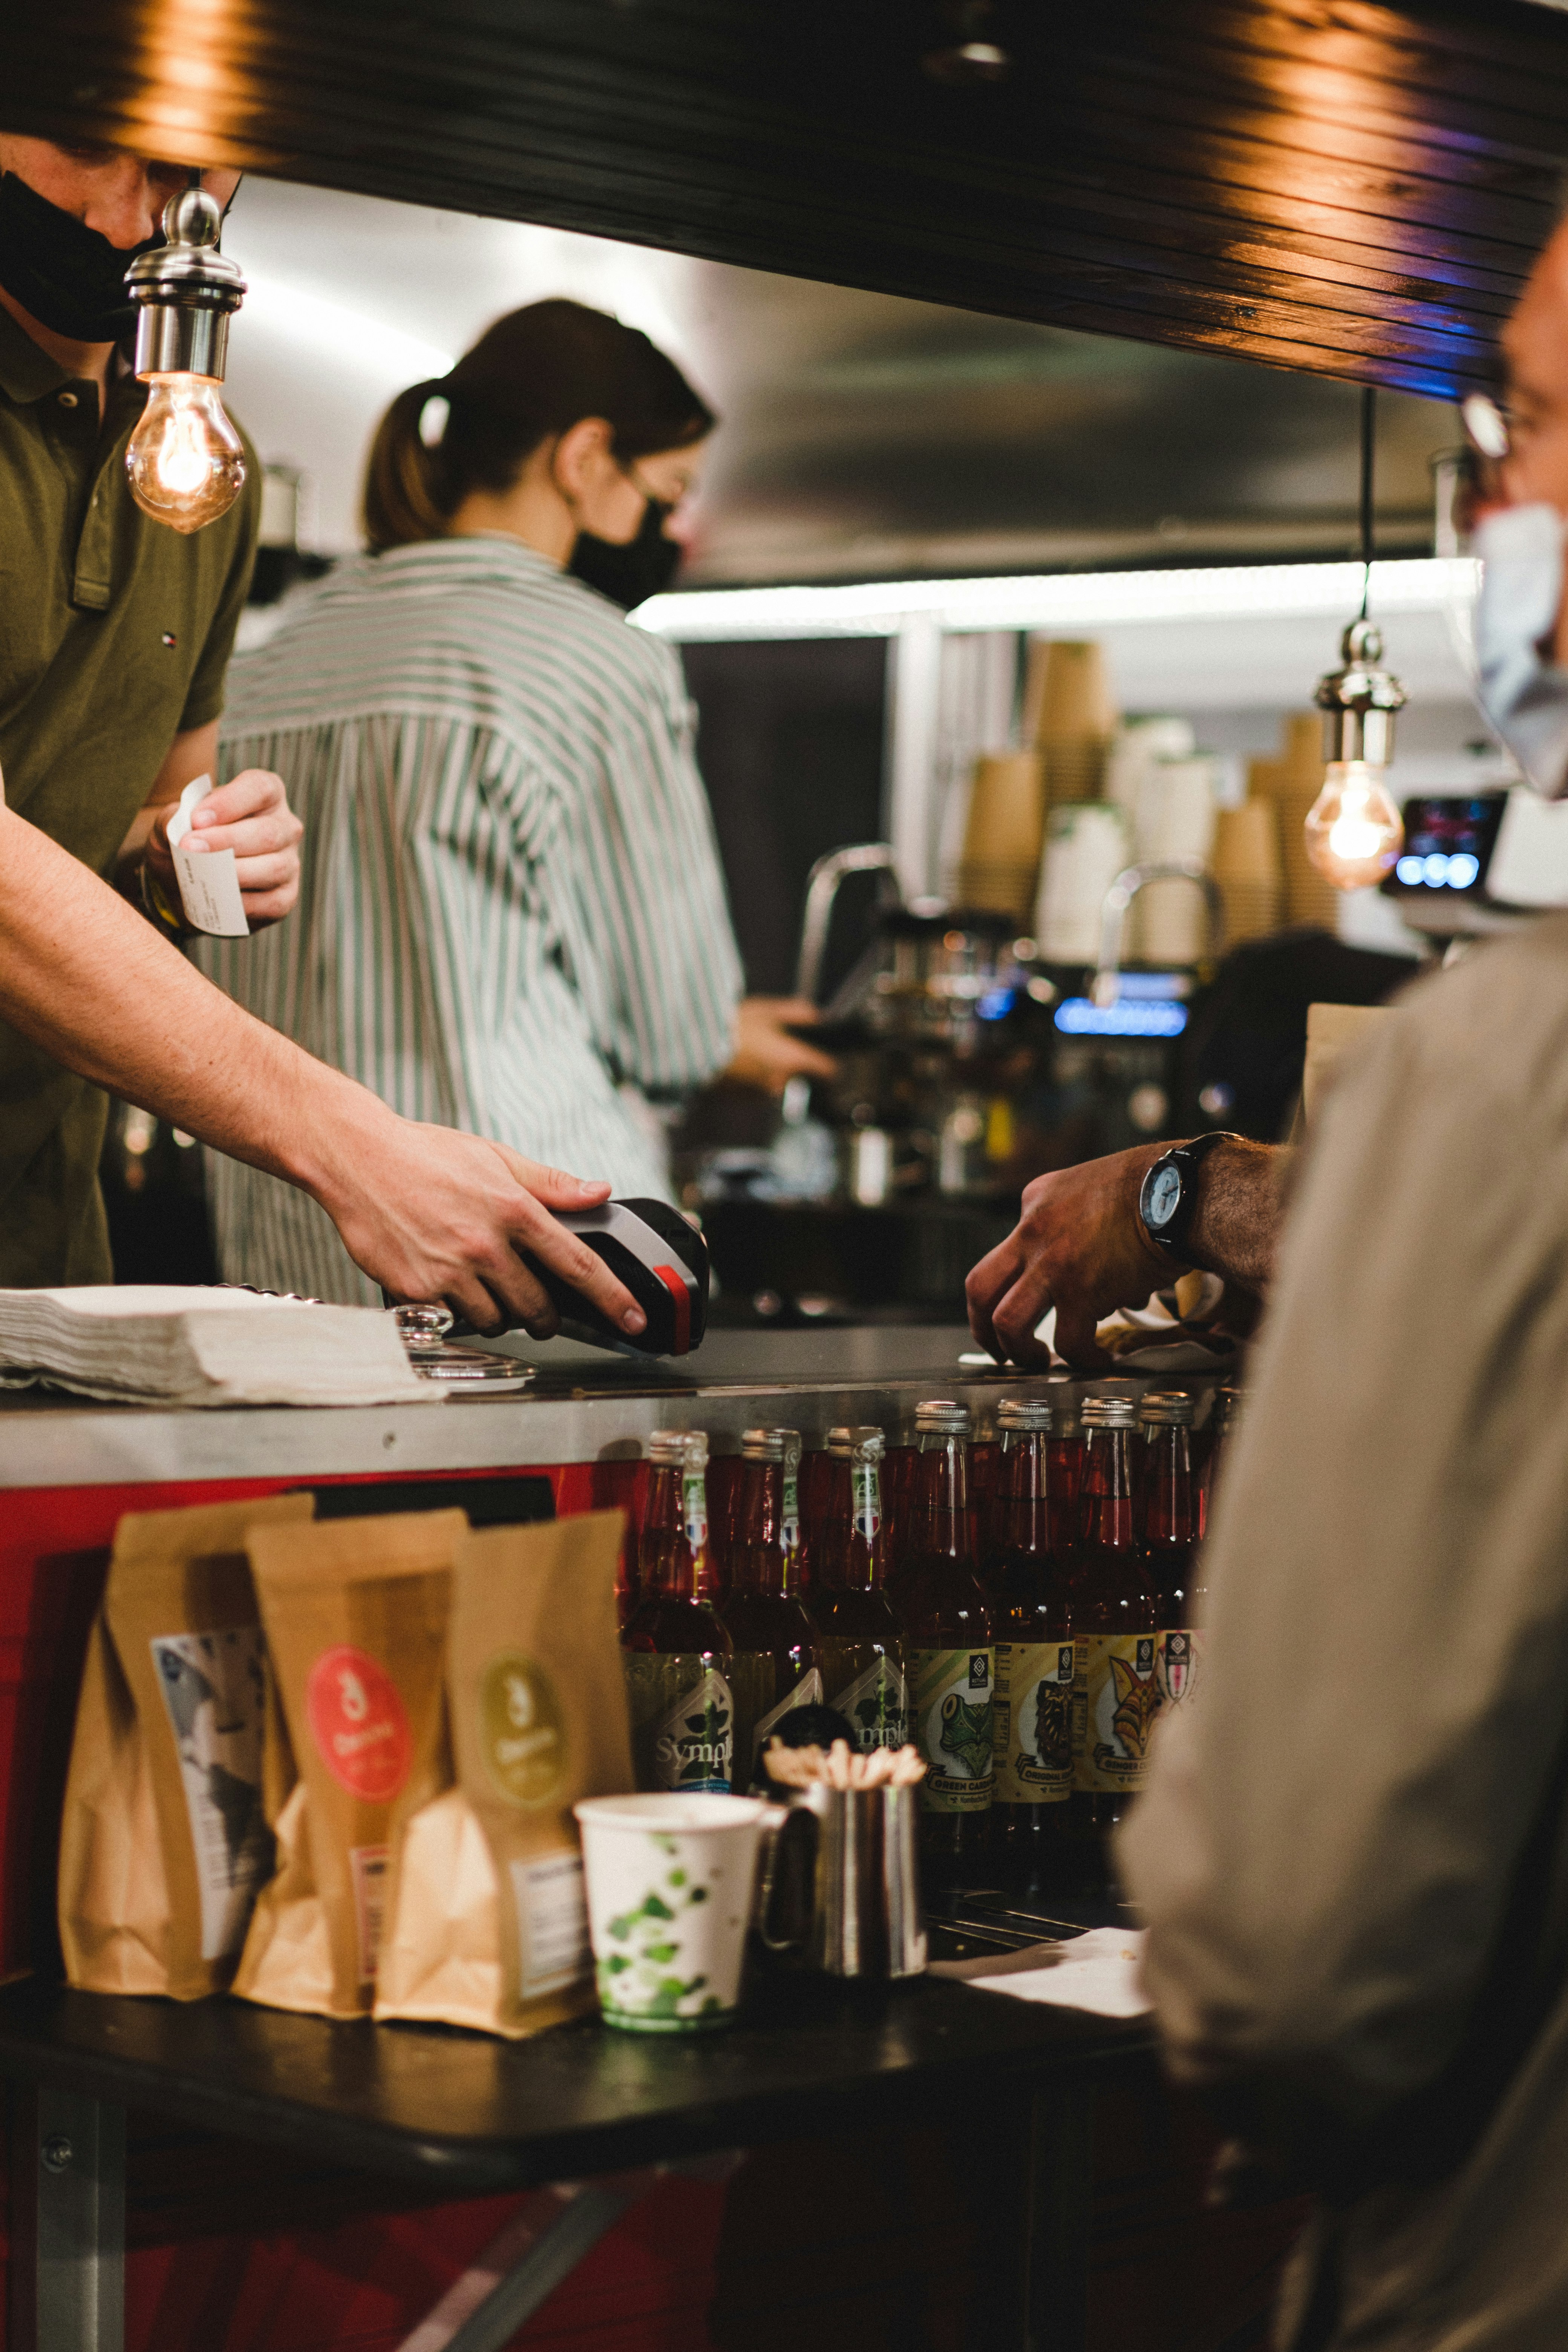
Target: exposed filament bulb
x=1353, y=830
x=185, y=461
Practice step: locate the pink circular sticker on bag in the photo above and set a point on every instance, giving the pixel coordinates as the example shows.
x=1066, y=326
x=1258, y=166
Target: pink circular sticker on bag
x=359, y=1724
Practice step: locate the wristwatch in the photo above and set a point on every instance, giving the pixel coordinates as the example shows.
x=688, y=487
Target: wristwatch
x=1168, y=1200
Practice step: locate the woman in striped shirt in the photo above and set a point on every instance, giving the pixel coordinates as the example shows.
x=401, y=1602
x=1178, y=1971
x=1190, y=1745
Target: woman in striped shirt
x=512, y=916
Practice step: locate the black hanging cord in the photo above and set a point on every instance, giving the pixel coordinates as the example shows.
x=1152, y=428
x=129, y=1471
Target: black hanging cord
x=1368, y=473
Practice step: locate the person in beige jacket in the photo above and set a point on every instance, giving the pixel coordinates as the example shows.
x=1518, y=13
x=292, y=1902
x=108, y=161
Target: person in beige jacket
x=1353, y=1853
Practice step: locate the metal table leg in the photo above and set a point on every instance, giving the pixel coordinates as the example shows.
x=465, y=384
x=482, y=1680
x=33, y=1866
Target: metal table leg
x=483, y=2310
x=1057, y=2218
x=68, y=2224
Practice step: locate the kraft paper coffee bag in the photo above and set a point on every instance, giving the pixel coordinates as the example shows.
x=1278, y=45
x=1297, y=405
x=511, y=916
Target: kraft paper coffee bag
x=489, y=1927
x=355, y=1614
x=165, y=1841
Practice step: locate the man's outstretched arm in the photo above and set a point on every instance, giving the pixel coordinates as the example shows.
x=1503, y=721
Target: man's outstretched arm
x=1081, y=1247
x=425, y=1213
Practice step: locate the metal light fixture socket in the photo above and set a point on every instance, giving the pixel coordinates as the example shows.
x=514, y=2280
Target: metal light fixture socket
x=1358, y=700
x=185, y=293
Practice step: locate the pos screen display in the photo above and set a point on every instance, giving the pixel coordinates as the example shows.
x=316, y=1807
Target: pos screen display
x=1449, y=843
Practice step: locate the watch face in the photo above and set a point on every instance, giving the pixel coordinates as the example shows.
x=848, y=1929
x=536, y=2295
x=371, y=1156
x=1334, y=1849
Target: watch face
x=1164, y=1194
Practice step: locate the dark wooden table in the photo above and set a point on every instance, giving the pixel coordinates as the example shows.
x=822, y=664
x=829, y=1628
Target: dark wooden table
x=466, y=2113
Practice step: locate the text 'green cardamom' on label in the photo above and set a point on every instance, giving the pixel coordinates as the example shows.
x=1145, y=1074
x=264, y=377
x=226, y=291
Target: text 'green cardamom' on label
x=954, y=1694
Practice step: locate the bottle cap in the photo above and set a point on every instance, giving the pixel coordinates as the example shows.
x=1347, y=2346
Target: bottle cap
x=763, y=1445
x=678, y=1449
x=1168, y=1409
x=1108, y=1412
x=1025, y=1412
x=942, y=1417
x=841, y=1442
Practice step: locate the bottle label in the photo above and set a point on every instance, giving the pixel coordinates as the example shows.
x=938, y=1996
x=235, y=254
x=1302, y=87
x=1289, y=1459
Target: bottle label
x=694, y=1508
x=807, y=1692
x=954, y=1690
x=866, y=1500
x=683, y=1721
x=1116, y=1699
x=878, y=1704
x=1181, y=1666
x=1034, y=1722
x=789, y=1512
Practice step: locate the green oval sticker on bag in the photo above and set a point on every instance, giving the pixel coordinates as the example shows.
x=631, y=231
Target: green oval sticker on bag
x=522, y=1732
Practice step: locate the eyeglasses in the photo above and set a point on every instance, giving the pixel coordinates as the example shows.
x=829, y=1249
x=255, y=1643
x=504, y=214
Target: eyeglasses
x=1488, y=428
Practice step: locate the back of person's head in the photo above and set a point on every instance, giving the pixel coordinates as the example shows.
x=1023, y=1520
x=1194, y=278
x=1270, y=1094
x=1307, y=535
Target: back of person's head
x=531, y=376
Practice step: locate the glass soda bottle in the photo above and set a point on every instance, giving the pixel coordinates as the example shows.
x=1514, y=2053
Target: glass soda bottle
x=676, y=1652
x=1144, y=1450
x=1171, y=1541
x=860, y=1639
x=951, y=1651
x=1064, y=1450
x=1116, y=1690
x=1032, y=1604
x=1222, y=1432
x=774, y=1667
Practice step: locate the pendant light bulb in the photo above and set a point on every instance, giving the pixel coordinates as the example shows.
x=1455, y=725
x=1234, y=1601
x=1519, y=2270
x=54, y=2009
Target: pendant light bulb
x=185, y=461
x=1353, y=830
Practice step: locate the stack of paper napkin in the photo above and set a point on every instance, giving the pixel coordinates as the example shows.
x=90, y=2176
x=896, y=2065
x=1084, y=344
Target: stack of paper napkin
x=155, y=1344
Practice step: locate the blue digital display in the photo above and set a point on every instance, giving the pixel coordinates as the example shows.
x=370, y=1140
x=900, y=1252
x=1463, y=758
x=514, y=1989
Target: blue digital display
x=1449, y=842
x=1436, y=872
x=1128, y=1017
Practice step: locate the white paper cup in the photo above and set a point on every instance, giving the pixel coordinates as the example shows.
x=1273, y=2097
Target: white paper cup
x=669, y=1898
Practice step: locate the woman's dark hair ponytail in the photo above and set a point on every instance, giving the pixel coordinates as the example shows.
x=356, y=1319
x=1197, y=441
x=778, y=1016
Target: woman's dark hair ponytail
x=533, y=375
x=402, y=501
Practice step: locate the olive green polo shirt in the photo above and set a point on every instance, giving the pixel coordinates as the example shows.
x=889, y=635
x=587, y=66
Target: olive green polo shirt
x=114, y=634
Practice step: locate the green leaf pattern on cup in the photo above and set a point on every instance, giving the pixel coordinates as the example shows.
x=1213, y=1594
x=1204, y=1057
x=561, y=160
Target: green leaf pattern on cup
x=643, y=1981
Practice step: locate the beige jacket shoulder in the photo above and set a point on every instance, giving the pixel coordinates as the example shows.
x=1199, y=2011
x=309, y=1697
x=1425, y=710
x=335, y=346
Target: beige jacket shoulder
x=1335, y=1850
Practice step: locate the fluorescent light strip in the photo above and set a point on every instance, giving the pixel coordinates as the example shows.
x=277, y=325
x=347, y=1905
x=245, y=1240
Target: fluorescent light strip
x=1071, y=599
x=347, y=337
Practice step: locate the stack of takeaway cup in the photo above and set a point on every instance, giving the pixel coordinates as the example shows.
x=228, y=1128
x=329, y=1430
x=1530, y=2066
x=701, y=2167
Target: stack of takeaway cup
x=1162, y=819
x=1247, y=868
x=1087, y=842
x=1069, y=716
x=1177, y=805
x=1001, y=861
x=1293, y=783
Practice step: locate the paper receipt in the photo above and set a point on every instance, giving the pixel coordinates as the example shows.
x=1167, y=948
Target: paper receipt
x=209, y=887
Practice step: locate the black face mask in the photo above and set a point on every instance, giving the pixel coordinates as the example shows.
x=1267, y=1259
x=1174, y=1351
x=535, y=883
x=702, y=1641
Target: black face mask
x=643, y=567
x=66, y=276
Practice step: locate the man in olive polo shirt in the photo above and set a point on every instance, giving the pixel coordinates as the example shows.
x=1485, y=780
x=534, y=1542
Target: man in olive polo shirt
x=114, y=634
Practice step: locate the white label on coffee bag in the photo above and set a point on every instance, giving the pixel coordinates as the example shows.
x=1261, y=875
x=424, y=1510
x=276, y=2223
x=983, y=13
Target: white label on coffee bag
x=209, y=883
x=368, y=1864
x=214, y=1689
x=551, y=1922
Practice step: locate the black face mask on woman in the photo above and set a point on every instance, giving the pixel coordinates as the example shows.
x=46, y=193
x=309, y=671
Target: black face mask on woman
x=629, y=576
x=66, y=276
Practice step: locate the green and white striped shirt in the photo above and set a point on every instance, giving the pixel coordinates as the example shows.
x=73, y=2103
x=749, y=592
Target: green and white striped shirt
x=512, y=915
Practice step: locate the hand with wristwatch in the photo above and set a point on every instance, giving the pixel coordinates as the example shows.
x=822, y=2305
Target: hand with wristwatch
x=1107, y=1233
